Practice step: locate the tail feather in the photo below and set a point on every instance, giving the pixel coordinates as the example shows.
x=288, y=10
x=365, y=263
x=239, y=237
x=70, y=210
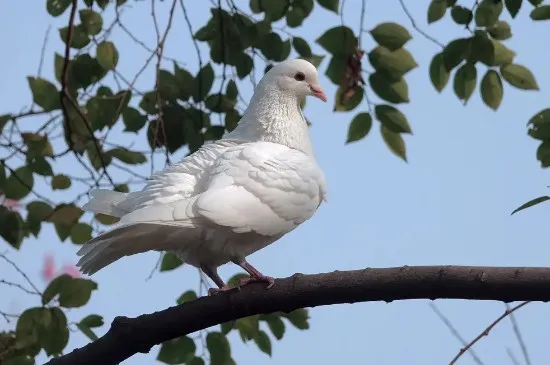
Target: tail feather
x=105, y=201
x=129, y=240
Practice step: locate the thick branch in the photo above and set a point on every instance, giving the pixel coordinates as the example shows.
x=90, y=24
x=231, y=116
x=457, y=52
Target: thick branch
x=128, y=336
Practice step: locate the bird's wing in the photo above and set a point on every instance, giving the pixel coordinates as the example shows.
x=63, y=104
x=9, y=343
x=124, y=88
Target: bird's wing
x=261, y=187
x=179, y=181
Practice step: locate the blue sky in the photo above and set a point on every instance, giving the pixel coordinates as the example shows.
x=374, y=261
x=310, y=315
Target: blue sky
x=469, y=167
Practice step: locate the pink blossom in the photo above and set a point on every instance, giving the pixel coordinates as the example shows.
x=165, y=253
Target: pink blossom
x=49, y=271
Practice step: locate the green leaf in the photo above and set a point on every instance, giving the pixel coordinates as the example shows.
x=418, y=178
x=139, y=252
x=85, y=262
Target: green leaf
x=248, y=327
x=73, y=292
x=55, y=336
x=275, y=324
x=539, y=125
x=185, y=82
x=127, y=156
x=295, y=17
x=455, y=52
x=491, y=89
x=219, y=103
x=394, y=141
x=336, y=68
x=92, y=321
x=218, y=347
x=338, y=41
x=91, y=21
x=263, y=342
x=331, y=5
x=4, y=119
x=461, y=15
x=60, y=182
x=177, y=351
x=244, y=66
x=439, y=75
x=298, y=318
x=487, y=12
x=389, y=90
x=63, y=231
x=535, y=2
x=205, y=79
x=390, y=35
x=196, y=361
x=465, y=81
x=188, y=296
x=231, y=90
x=86, y=70
x=353, y=102
x=392, y=118
x=436, y=10
x=106, y=219
x=67, y=214
x=301, y=47
x=501, y=31
x=11, y=229
x=38, y=211
x=274, y=10
x=133, y=120
x=81, y=233
x=232, y=118
x=272, y=46
x=543, y=154
x=540, y=13
x=501, y=54
x=19, y=184
x=80, y=36
x=359, y=127
x=168, y=86
x=44, y=93
x=513, y=6
x=530, y=203
x=40, y=166
x=519, y=76
x=170, y=262
x=395, y=63
x=107, y=55
x=28, y=325
x=57, y=7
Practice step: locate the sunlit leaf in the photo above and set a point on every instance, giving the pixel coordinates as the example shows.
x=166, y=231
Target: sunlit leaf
x=390, y=35
x=519, y=76
x=170, y=262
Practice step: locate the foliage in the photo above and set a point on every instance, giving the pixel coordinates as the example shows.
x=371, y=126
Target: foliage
x=90, y=100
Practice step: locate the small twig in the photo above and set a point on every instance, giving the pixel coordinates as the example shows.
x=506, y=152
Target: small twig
x=413, y=23
x=454, y=331
x=159, y=52
x=65, y=95
x=16, y=285
x=486, y=331
x=519, y=337
x=43, y=50
x=14, y=265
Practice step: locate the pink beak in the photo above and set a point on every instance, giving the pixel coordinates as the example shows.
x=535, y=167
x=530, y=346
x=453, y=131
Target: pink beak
x=318, y=92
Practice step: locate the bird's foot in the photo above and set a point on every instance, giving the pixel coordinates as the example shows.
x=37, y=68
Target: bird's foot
x=214, y=291
x=251, y=279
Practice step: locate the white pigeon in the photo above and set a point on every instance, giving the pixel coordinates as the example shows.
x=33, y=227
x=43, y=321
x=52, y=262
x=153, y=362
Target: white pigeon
x=230, y=198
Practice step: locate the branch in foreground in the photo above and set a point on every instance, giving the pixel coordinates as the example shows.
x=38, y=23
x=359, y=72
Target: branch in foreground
x=128, y=336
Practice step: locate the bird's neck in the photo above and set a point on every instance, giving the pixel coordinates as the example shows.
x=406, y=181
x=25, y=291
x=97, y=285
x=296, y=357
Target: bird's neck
x=274, y=116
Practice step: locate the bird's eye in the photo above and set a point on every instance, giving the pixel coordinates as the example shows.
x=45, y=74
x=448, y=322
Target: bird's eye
x=299, y=77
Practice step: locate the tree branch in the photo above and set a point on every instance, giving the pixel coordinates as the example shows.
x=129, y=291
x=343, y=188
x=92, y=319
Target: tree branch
x=128, y=336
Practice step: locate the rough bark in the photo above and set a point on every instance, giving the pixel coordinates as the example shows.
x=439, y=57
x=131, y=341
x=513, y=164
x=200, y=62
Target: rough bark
x=128, y=336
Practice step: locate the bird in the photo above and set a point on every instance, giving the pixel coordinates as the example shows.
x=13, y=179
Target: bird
x=231, y=197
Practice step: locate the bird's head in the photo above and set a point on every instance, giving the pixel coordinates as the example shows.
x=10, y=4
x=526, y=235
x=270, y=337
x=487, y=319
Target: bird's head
x=297, y=76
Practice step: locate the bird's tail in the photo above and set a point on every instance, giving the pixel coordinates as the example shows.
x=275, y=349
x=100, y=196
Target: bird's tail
x=105, y=201
x=131, y=239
